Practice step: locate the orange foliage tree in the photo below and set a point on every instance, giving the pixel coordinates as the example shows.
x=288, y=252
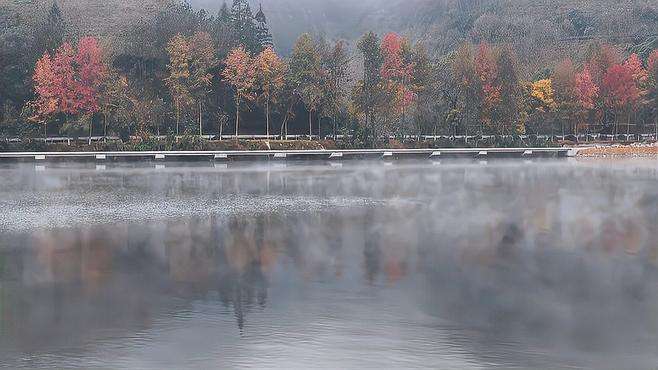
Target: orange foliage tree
x=270, y=78
x=47, y=102
x=241, y=75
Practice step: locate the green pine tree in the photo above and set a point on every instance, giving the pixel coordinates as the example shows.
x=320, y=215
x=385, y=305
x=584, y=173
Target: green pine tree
x=52, y=31
x=222, y=31
x=262, y=30
x=244, y=27
x=368, y=91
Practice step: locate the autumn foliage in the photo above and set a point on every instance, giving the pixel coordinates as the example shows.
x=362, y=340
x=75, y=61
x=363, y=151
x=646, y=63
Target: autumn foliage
x=91, y=71
x=586, y=89
x=542, y=92
x=477, y=90
x=69, y=81
x=241, y=75
x=397, y=71
x=619, y=86
x=47, y=89
x=486, y=69
x=270, y=79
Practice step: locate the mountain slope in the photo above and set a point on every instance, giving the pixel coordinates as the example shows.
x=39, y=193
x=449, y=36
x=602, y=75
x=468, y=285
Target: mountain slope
x=541, y=31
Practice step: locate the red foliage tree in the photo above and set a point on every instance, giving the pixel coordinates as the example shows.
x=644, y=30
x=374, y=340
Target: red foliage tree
x=398, y=72
x=634, y=65
x=91, y=70
x=620, y=87
x=394, y=66
x=65, y=84
x=69, y=81
x=586, y=89
x=621, y=91
x=487, y=70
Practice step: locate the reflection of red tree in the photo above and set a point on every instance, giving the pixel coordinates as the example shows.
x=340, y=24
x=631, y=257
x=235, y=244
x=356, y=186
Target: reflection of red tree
x=96, y=259
x=624, y=235
x=189, y=252
x=58, y=258
x=241, y=250
x=394, y=268
x=268, y=257
x=396, y=246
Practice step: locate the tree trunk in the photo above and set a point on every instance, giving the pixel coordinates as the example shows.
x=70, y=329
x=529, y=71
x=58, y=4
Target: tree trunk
x=91, y=125
x=319, y=128
x=334, y=126
x=45, y=132
x=200, y=119
x=404, y=121
x=237, y=116
x=628, y=126
x=177, y=119
x=267, y=118
x=310, y=124
x=285, y=121
x=221, y=129
x=105, y=127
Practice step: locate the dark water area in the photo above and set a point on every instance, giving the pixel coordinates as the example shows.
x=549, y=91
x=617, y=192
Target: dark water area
x=547, y=265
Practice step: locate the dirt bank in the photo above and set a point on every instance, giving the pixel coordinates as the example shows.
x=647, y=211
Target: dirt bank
x=632, y=150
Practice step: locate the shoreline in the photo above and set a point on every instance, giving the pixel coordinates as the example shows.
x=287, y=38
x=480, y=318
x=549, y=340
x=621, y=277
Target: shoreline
x=283, y=155
x=307, y=149
x=637, y=150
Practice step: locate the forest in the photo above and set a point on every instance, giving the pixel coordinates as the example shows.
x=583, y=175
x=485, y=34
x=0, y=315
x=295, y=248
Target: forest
x=179, y=71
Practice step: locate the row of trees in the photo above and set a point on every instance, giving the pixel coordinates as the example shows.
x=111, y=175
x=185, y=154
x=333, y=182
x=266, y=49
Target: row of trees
x=224, y=70
x=606, y=92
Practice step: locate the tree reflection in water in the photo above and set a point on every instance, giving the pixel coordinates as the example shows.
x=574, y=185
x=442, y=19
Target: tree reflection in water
x=564, y=259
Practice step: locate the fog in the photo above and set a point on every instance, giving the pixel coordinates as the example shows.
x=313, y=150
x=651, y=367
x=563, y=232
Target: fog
x=455, y=265
x=335, y=19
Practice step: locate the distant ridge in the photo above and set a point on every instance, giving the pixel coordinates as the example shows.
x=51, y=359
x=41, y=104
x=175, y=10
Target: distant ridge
x=540, y=30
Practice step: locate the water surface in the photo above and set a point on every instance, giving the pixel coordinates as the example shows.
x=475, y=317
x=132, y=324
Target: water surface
x=365, y=265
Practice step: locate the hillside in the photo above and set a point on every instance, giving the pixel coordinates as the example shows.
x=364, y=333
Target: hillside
x=105, y=18
x=529, y=24
x=540, y=30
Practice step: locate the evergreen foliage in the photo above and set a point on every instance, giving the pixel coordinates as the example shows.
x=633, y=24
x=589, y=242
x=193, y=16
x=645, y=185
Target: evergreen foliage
x=262, y=30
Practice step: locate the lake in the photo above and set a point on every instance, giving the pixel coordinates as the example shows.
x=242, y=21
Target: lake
x=457, y=265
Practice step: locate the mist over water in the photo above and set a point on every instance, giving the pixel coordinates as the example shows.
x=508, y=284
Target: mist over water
x=455, y=266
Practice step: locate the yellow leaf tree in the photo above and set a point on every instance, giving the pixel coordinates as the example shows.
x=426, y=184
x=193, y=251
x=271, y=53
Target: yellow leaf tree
x=202, y=60
x=542, y=92
x=178, y=80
